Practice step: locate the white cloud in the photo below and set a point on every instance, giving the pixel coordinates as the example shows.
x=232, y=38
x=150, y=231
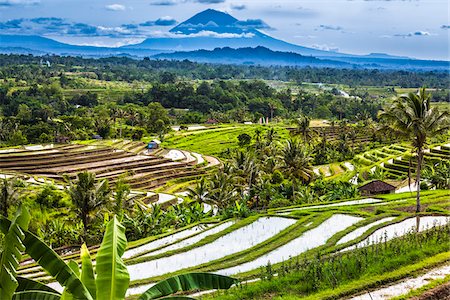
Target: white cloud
x=238, y=6
x=18, y=2
x=203, y=33
x=325, y=47
x=115, y=7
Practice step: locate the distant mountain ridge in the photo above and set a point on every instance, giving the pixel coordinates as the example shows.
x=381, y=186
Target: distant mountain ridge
x=252, y=56
x=215, y=36
x=267, y=57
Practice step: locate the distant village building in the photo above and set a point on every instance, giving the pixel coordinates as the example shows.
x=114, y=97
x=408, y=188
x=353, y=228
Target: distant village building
x=212, y=121
x=62, y=139
x=97, y=137
x=376, y=187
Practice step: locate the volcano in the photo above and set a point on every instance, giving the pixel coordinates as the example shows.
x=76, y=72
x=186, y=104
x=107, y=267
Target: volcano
x=212, y=29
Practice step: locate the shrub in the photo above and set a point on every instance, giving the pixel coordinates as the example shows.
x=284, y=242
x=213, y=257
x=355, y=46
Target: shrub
x=49, y=197
x=279, y=202
x=277, y=177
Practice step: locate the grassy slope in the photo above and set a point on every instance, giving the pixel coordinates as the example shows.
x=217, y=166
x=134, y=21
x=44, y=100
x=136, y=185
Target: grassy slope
x=217, y=140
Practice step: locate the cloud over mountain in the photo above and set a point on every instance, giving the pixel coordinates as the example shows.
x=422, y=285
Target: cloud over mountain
x=19, y=2
x=163, y=21
x=115, y=7
x=238, y=6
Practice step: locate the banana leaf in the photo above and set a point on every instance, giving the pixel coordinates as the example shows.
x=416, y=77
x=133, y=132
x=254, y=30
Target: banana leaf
x=87, y=271
x=66, y=295
x=112, y=275
x=12, y=253
x=26, y=284
x=36, y=295
x=187, y=282
x=51, y=262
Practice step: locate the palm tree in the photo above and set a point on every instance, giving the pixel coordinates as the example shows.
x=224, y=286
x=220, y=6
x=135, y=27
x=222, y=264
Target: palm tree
x=296, y=162
x=121, y=201
x=9, y=193
x=222, y=190
x=438, y=175
x=200, y=192
x=271, y=135
x=412, y=117
x=303, y=128
x=88, y=196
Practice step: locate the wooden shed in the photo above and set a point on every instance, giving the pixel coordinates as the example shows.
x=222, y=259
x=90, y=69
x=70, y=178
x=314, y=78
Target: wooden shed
x=376, y=187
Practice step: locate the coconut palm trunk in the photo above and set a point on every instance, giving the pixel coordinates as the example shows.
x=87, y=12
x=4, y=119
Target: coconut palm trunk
x=418, y=171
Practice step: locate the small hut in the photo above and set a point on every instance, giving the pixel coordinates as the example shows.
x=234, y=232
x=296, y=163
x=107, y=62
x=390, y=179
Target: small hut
x=153, y=144
x=376, y=187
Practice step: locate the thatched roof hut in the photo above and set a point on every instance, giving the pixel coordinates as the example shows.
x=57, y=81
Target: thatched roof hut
x=376, y=187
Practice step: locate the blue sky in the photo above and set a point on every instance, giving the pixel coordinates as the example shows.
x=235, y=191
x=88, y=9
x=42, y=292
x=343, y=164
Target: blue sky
x=415, y=28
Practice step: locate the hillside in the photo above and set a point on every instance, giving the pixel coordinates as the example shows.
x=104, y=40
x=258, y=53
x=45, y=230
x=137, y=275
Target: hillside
x=253, y=56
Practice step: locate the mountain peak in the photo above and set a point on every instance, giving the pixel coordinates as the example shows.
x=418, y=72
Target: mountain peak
x=208, y=20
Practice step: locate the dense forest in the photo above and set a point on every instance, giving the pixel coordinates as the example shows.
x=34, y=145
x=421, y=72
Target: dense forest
x=28, y=67
x=43, y=97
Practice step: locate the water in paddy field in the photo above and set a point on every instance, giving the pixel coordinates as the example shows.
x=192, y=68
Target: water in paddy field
x=345, y=203
x=192, y=240
x=308, y=240
x=165, y=240
x=357, y=232
x=233, y=242
x=389, y=232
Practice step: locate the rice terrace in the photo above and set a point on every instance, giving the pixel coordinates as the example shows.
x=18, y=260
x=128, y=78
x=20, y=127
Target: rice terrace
x=147, y=157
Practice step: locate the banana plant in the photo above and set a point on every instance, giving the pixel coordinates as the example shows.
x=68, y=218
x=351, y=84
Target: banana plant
x=17, y=239
x=187, y=282
x=108, y=281
x=11, y=286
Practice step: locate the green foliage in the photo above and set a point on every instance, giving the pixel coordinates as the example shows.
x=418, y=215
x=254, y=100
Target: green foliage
x=50, y=197
x=9, y=192
x=244, y=139
x=11, y=255
x=187, y=282
x=112, y=275
x=110, y=279
x=50, y=261
x=277, y=177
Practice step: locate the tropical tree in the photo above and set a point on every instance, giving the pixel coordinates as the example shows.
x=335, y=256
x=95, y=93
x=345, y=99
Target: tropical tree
x=222, y=190
x=88, y=196
x=9, y=193
x=412, y=117
x=296, y=163
x=121, y=202
x=200, y=192
x=271, y=135
x=303, y=129
x=438, y=175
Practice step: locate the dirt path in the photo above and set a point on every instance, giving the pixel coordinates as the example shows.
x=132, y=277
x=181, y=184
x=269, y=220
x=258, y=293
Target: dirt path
x=212, y=161
x=406, y=285
x=441, y=292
